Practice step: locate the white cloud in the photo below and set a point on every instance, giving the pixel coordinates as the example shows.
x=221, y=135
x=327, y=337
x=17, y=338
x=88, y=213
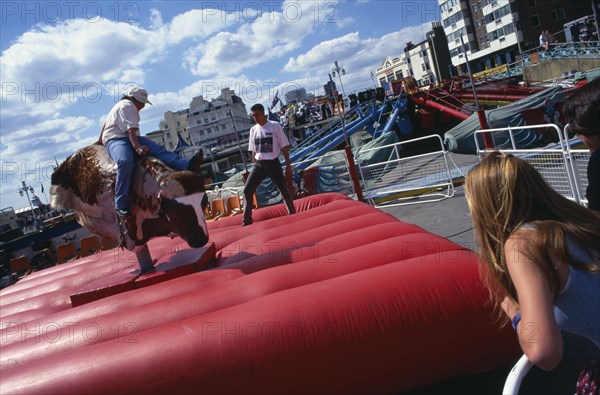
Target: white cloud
x=35, y=144
x=359, y=56
x=353, y=50
x=198, y=24
x=267, y=36
x=322, y=53
x=78, y=50
x=52, y=130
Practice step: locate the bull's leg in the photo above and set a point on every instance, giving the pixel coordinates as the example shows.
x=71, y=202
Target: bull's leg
x=142, y=253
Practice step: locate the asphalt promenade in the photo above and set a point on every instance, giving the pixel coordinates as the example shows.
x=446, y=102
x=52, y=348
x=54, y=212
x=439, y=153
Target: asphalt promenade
x=448, y=218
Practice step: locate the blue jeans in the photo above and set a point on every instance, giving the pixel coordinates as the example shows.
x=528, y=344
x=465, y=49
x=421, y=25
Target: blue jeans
x=121, y=151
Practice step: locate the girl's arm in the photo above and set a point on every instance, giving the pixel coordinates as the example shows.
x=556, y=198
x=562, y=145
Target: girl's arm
x=538, y=333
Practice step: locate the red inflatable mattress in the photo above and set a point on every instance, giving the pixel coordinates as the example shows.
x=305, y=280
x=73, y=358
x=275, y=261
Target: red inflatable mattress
x=338, y=298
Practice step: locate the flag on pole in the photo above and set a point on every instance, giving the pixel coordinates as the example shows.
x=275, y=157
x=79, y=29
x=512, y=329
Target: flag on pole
x=275, y=101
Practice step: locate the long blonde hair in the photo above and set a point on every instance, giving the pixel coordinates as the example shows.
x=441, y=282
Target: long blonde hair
x=504, y=193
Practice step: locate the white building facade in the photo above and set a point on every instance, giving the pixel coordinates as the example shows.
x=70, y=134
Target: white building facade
x=426, y=61
x=214, y=124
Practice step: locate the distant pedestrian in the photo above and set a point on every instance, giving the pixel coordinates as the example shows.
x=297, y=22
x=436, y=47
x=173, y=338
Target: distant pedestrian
x=544, y=40
x=584, y=31
x=582, y=111
x=266, y=142
x=551, y=39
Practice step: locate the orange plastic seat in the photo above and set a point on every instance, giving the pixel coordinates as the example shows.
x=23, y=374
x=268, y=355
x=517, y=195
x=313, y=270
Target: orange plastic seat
x=65, y=252
x=108, y=244
x=89, y=245
x=42, y=257
x=20, y=266
x=233, y=206
x=217, y=209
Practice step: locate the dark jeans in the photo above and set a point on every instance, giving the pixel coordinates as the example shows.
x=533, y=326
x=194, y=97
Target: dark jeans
x=261, y=170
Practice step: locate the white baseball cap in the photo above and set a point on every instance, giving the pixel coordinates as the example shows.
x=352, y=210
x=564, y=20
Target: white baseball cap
x=139, y=94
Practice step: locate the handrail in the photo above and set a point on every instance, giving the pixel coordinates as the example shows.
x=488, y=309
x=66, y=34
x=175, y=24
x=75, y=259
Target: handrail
x=516, y=375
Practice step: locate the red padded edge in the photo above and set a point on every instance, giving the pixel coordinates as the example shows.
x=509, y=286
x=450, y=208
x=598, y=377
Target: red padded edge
x=178, y=264
x=106, y=286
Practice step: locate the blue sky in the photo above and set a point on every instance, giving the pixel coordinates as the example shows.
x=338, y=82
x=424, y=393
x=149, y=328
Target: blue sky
x=64, y=64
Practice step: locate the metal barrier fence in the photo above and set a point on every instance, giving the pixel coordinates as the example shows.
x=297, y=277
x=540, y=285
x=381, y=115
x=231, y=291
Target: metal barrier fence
x=389, y=179
x=333, y=175
x=563, y=168
x=570, y=50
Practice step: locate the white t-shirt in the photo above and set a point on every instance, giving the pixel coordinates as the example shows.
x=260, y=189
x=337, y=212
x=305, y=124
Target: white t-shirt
x=123, y=116
x=266, y=141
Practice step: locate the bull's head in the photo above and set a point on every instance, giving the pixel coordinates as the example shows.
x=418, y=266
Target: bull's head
x=182, y=203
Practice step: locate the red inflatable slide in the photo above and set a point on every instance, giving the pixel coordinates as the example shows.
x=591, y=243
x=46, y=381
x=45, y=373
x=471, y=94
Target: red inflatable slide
x=338, y=298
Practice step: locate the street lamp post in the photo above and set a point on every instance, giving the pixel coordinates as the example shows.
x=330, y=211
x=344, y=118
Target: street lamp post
x=469, y=71
x=373, y=79
x=487, y=137
x=348, y=149
x=435, y=59
x=26, y=189
x=518, y=38
x=237, y=139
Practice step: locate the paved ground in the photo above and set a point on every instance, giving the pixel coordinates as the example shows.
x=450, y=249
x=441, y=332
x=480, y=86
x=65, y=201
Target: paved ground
x=448, y=218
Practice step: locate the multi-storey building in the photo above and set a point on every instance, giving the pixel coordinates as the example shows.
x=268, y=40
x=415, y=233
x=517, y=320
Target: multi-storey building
x=213, y=124
x=174, y=124
x=330, y=88
x=296, y=95
x=210, y=124
x=496, y=32
x=426, y=61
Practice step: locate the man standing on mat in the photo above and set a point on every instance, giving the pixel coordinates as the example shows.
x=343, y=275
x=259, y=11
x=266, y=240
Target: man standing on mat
x=267, y=141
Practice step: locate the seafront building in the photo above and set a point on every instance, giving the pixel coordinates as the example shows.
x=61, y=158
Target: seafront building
x=209, y=124
x=496, y=32
x=427, y=61
x=296, y=95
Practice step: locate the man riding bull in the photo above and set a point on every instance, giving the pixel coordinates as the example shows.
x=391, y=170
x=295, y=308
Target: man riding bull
x=121, y=136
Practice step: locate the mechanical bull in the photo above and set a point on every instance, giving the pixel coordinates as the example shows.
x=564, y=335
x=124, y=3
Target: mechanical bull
x=162, y=201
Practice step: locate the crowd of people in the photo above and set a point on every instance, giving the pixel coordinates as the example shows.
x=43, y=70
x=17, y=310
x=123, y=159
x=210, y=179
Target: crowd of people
x=31, y=222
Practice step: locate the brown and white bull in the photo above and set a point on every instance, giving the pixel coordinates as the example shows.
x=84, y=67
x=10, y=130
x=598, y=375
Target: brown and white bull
x=162, y=201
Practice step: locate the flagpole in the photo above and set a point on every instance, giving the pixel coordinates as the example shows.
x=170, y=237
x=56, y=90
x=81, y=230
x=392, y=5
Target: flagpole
x=238, y=141
x=44, y=193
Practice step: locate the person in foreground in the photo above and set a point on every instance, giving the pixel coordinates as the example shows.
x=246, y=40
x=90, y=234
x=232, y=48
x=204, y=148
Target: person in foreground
x=267, y=140
x=541, y=255
x=582, y=111
x=121, y=136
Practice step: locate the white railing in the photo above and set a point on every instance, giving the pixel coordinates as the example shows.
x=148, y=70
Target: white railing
x=396, y=180
x=563, y=168
x=516, y=376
